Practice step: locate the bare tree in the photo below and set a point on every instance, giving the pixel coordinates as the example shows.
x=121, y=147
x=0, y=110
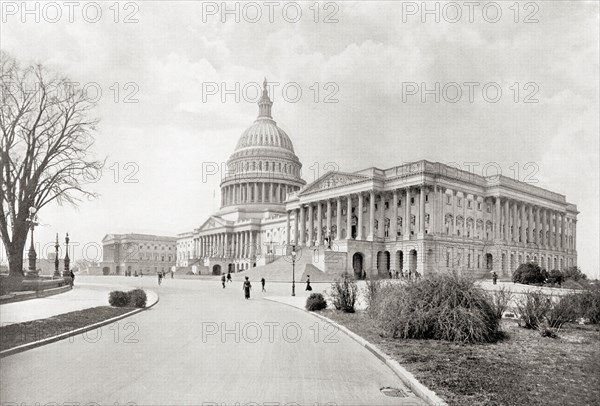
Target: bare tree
x=44, y=149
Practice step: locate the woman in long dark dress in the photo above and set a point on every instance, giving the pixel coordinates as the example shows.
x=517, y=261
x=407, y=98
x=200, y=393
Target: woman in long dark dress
x=247, y=286
x=308, y=287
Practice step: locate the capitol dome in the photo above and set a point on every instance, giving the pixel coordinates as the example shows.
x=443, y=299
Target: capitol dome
x=263, y=168
x=264, y=133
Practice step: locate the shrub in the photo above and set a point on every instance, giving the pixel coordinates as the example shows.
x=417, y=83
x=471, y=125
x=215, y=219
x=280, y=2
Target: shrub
x=315, y=301
x=500, y=300
x=136, y=298
x=529, y=273
x=565, y=309
x=133, y=298
x=442, y=307
x=118, y=298
x=344, y=292
x=532, y=308
x=589, y=304
x=555, y=277
x=371, y=294
x=574, y=273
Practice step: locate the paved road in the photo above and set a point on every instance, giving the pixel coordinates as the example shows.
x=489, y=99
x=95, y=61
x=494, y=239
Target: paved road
x=202, y=344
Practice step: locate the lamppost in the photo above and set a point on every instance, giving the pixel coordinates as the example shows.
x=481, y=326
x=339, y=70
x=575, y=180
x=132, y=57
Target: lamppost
x=56, y=261
x=293, y=270
x=67, y=271
x=32, y=220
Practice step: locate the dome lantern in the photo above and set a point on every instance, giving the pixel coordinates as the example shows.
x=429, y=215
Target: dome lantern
x=265, y=103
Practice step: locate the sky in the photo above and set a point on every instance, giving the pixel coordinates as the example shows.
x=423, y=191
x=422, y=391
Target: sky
x=354, y=84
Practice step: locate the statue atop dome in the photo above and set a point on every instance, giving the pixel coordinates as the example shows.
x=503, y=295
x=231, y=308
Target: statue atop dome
x=265, y=103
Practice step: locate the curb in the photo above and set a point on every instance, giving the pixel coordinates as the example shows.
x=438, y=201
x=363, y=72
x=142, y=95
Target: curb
x=405, y=376
x=34, y=294
x=49, y=340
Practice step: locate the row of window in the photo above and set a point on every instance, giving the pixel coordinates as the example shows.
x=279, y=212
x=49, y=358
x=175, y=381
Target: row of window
x=268, y=167
x=155, y=257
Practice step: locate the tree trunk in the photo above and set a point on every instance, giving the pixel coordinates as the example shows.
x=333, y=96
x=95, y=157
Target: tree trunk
x=15, y=252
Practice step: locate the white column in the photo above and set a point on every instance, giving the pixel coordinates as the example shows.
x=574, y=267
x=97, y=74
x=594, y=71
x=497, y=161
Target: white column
x=381, y=230
x=556, y=230
x=371, y=235
x=287, y=228
x=349, y=218
x=563, y=232
x=407, y=217
x=244, y=245
x=328, y=220
x=338, y=218
x=302, y=226
x=422, y=211
x=507, y=233
x=544, y=228
x=296, y=215
x=498, y=223
x=574, y=236
x=320, y=223
x=359, y=218
x=394, y=219
x=311, y=219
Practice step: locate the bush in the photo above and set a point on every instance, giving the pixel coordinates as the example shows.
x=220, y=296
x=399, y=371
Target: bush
x=315, y=301
x=344, y=292
x=118, y=298
x=563, y=310
x=443, y=307
x=372, y=291
x=133, y=298
x=500, y=300
x=589, y=304
x=532, y=308
x=529, y=274
x=555, y=277
x=574, y=273
x=137, y=298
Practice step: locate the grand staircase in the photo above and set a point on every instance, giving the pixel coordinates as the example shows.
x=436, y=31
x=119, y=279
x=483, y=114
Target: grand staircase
x=308, y=262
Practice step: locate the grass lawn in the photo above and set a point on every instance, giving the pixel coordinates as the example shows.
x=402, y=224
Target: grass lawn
x=522, y=369
x=13, y=335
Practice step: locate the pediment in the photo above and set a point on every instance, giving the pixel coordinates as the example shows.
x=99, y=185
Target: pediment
x=212, y=222
x=332, y=180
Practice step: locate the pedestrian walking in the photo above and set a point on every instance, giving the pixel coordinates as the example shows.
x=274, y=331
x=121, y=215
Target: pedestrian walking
x=159, y=278
x=246, y=288
x=262, y=282
x=72, y=278
x=172, y=274
x=494, y=277
x=308, y=287
x=229, y=277
x=223, y=281
x=397, y=275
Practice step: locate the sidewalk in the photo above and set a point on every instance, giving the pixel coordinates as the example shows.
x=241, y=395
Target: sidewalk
x=82, y=296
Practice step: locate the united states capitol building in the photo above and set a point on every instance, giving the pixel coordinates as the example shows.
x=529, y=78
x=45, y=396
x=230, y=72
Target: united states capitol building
x=418, y=217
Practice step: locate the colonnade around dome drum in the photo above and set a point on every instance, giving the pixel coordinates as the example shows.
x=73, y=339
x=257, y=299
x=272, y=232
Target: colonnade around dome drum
x=255, y=192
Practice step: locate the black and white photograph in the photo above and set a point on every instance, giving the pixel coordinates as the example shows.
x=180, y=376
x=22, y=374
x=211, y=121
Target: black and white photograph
x=299, y=203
